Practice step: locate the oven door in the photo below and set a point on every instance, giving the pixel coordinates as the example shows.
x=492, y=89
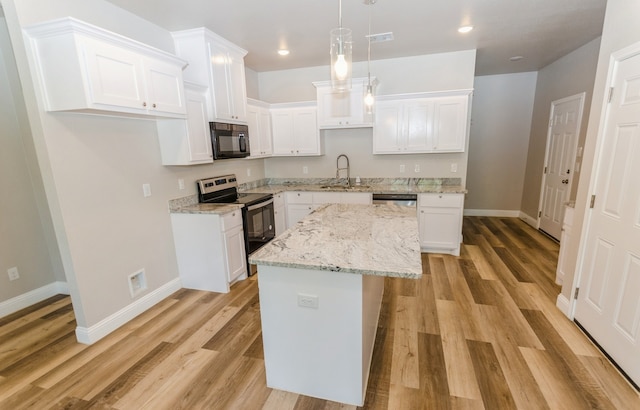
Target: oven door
x=260, y=226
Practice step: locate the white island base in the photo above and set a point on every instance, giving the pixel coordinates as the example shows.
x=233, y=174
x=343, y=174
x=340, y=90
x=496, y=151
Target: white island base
x=319, y=329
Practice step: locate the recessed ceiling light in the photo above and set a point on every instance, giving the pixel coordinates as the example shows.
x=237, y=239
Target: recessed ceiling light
x=283, y=52
x=465, y=29
x=516, y=58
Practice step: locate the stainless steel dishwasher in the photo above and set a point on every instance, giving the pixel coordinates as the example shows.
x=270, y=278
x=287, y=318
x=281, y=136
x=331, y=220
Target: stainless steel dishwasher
x=396, y=199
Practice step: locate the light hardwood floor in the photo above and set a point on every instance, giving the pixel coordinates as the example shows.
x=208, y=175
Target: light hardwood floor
x=477, y=331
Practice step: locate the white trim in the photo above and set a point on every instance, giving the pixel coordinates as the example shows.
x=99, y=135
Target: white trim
x=491, y=212
x=104, y=327
x=564, y=305
x=614, y=59
x=529, y=220
x=32, y=297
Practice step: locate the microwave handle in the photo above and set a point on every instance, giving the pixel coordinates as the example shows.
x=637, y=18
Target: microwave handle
x=260, y=205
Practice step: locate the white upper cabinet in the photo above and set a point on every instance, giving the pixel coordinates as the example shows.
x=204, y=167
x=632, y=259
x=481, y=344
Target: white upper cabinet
x=343, y=109
x=422, y=123
x=295, y=130
x=219, y=64
x=83, y=68
x=187, y=141
x=259, y=122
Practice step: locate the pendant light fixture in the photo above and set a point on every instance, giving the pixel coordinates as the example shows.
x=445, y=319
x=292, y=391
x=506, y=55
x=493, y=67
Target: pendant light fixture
x=341, y=49
x=369, y=100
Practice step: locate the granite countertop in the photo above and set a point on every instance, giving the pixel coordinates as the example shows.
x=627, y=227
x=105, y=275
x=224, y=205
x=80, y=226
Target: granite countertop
x=371, y=185
x=379, y=240
x=219, y=209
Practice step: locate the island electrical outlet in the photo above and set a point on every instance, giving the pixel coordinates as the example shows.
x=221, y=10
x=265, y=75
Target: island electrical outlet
x=308, y=301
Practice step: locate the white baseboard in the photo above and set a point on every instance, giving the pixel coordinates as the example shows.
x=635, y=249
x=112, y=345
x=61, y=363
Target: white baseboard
x=96, y=332
x=491, y=212
x=32, y=297
x=563, y=304
x=529, y=220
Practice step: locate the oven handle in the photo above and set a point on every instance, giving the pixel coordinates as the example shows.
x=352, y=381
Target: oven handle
x=260, y=205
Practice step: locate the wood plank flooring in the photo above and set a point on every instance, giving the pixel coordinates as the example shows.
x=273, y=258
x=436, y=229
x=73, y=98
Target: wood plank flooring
x=479, y=331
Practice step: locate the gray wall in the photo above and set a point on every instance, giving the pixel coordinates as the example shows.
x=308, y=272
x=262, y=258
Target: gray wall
x=23, y=235
x=434, y=72
x=93, y=168
x=570, y=75
x=621, y=29
x=500, y=125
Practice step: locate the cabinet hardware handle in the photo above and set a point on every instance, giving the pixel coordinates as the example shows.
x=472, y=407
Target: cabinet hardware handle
x=144, y=103
x=154, y=105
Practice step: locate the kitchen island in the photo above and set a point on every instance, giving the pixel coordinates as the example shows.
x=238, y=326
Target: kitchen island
x=321, y=285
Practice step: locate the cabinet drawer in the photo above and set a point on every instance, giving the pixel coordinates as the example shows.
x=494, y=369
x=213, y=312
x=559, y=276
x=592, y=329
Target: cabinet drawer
x=299, y=197
x=441, y=200
x=231, y=219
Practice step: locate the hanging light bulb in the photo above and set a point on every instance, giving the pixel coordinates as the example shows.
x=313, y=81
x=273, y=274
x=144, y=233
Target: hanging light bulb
x=341, y=48
x=368, y=98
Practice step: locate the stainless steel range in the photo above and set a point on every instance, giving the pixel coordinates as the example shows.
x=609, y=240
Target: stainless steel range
x=257, y=213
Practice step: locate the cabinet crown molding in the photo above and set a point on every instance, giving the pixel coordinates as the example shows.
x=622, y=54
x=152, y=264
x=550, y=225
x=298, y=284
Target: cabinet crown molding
x=425, y=94
x=71, y=25
x=206, y=33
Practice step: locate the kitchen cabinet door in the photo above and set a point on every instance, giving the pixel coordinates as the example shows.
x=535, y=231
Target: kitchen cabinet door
x=295, y=131
x=259, y=122
x=388, y=128
x=218, y=63
x=84, y=68
x=417, y=123
x=235, y=253
x=450, y=124
x=296, y=212
x=342, y=109
x=440, y=222
x=188, y=141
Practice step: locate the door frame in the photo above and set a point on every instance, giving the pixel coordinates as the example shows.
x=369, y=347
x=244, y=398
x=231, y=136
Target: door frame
x=614, y=59
x=581, y=97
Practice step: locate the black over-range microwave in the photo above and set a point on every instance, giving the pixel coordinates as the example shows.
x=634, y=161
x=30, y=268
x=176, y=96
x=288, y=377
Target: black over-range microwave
x=229, y=140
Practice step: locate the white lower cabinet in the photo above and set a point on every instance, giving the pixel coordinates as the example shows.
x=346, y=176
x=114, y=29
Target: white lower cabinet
x=210, y=250
x=301, y=204
x=440, y=222
x=280, y=217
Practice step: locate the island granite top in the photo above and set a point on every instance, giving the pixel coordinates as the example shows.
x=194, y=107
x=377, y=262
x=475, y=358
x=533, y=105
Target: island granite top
x=379, y=240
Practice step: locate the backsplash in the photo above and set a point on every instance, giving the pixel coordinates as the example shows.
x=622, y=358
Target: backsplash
x=364, y=181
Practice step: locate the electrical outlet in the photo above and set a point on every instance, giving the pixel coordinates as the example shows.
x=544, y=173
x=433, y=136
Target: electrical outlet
x=416, y=168
x=402, y=169
x=305, y=169
x=146, y=190
x=13, y=273
x=248, y=172
x=137, y=283
x=454, y=167
x=181, y=184
x=308, y=301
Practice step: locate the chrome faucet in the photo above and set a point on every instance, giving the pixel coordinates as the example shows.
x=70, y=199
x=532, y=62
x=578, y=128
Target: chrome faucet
x=338, y=169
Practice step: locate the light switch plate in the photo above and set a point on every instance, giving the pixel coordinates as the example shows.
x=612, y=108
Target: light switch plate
x=146, y=190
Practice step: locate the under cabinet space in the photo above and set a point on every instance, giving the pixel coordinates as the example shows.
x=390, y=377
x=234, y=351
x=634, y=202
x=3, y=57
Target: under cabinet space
x=84, y=68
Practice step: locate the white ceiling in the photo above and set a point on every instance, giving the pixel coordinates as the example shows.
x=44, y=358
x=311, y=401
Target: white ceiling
x=540, y=30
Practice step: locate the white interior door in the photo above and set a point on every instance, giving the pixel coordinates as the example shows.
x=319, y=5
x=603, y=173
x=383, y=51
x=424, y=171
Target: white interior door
x=564, y=127
x=608, y=305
